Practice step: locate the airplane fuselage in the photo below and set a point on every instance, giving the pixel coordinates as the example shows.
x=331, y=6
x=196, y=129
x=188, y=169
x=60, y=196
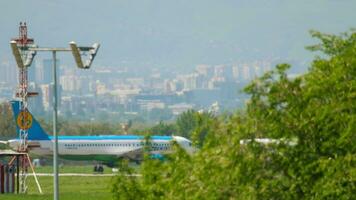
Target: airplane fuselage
x=102, y=148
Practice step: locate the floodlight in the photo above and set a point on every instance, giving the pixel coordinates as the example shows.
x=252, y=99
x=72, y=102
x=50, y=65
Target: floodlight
x=29, y=57
x=77, y=57
x=92, y=54
x=76, y=54
x=16, y=52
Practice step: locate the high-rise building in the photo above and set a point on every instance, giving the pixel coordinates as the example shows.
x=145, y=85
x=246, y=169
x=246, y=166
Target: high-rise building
x=246, y=72
x=224, y=71
x=36, y=102
x=235, y=72
x=69, y=83
x=228, y=73
x=31, y=72
x=189, y=81
x=47, y=96
x=45, y=72
x=8, y=73
x=205, y=70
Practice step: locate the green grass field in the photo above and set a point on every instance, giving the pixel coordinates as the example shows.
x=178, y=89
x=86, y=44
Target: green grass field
x=86, y=169
x=77, y=188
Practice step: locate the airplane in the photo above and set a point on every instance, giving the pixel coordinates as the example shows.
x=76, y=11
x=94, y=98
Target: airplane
x=106, y=149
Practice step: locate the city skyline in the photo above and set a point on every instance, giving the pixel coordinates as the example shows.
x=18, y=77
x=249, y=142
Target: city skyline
x=129, y=92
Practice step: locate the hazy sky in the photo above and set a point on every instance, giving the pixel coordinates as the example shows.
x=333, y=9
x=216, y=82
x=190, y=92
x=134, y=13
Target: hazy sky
x=177, y=33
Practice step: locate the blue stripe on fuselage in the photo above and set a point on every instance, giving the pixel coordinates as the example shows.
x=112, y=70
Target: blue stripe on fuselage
x=111, y=137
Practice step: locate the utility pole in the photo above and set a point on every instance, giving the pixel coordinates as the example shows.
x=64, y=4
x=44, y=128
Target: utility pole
x=55, y=111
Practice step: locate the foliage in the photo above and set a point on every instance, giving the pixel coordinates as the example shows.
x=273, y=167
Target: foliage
x=204, y=122
x=189, y=121
x=186, y=122
x=163, y=129
x=7, y=123
x=190, y=124
x=313, y=118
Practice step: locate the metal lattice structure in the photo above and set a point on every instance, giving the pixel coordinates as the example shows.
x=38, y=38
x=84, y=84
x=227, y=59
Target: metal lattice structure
x=24, y=119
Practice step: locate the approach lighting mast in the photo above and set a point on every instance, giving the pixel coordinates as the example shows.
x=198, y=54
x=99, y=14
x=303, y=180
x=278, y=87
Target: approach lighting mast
x=24, y=51
x=20, y=47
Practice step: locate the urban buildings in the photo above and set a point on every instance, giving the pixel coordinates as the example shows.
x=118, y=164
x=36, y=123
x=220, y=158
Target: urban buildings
x=119, y=93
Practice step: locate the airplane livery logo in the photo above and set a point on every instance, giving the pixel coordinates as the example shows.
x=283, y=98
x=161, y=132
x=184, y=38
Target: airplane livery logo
x=24, y=120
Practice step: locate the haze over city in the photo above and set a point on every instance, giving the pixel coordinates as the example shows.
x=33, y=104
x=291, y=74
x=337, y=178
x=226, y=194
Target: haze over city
x=159, y=33
x=163, y=56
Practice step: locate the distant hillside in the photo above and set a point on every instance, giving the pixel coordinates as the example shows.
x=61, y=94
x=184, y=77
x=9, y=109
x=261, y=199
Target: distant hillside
x=178, y=33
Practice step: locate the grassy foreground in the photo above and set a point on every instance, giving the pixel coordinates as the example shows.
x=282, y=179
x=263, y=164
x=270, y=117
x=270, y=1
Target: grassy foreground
x=85, y=169
x=76, y=188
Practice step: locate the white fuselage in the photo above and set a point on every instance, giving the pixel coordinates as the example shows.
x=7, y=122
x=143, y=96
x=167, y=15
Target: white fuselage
x=117, y=147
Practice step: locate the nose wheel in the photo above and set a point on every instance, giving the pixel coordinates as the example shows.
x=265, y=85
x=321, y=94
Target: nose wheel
x=99, y=168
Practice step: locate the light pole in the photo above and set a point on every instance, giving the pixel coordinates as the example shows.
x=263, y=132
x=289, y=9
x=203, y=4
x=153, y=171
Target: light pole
x=55, y=111
x=76, y=51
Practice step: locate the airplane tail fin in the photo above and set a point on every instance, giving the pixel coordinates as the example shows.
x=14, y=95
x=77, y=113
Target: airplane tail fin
x=27, y=121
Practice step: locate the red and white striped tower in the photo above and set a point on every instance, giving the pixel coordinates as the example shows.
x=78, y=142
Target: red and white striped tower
x=24, y=119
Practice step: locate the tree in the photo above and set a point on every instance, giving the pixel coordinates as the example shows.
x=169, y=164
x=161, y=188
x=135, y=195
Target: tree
x=7, y=122
x=194, y=125
x=204, y=122
x=313, y=119
x=186, y=123
x=163, y=129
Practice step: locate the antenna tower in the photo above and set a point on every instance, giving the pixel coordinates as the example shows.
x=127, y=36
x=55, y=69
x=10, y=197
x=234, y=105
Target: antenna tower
x=24, y=119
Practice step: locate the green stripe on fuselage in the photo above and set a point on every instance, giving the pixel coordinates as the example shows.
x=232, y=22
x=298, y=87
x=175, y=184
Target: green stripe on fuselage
x=104, y=158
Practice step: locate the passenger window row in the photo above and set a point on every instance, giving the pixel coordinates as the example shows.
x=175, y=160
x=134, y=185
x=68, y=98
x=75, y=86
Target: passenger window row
x=112, y=145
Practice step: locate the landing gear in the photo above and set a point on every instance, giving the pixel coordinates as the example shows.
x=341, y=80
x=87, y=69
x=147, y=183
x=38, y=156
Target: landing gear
x=99, y=168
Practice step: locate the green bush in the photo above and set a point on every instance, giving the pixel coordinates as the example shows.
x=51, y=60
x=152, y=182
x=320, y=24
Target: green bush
x=316, y=111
